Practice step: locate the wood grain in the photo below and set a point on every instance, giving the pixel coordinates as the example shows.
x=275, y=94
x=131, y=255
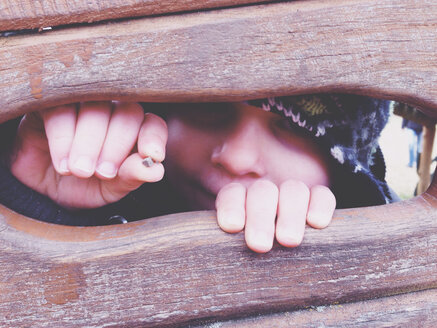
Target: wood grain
x=181, y=269
x=31, y=14
x=383, y=48
x=406, y=310
x=427, y=144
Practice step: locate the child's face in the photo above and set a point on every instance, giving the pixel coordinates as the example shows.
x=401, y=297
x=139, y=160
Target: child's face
x=211, y=145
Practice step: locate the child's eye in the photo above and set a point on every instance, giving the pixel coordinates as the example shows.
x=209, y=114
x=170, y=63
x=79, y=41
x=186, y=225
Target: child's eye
x=284, y=129
x=283, y=124
x=208, y=115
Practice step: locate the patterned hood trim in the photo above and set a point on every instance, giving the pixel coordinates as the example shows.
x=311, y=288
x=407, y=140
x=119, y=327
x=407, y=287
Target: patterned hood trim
x=349, y=125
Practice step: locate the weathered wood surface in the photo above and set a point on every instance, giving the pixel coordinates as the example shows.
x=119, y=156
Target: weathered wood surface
x=410, y=113
x=30, y=14
x=413, y=310
x=384, y=48
x=182, y=269
x=424, y=171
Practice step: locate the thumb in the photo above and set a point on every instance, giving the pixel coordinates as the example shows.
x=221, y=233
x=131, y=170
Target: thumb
x=30, y=159
x=30, y=134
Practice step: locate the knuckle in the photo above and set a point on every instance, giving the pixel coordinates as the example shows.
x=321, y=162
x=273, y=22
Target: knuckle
x=156, y=119
x=292, y=189
x=122, y=143
x=61, y=139
x=262, y=185
x=90, y=137
x=232, y=186
x=323, y=191
x=294, y=185
x=132, y=109
x=95, y=104
x=321, y=188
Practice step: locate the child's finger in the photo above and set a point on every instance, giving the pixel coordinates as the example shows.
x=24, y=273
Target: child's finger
x=60, y=126
x=132, y=174
x=120, y=139
x=261, y=207
x=292, y=211
x=230, y=204
x=91, y=127
x=152, y=138
x=321, y=208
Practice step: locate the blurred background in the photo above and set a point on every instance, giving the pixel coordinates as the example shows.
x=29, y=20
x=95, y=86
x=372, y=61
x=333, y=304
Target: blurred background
x=402, y=175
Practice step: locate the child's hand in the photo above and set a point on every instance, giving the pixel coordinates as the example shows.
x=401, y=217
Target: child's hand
x=256, y=209
x=89, y=155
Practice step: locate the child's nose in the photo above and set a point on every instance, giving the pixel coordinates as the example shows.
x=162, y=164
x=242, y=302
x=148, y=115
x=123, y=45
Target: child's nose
x=241, y=152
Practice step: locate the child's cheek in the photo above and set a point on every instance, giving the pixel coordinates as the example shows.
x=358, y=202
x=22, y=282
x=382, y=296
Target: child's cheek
x=306, y=164
x=187, y=148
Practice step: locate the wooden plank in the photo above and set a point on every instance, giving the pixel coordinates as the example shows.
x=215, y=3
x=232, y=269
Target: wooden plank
x=31, y=14
x=407, y=310
x=428, y=137
x=410, y=113
x=131, y=275
x=182, y=269
x=383, y=48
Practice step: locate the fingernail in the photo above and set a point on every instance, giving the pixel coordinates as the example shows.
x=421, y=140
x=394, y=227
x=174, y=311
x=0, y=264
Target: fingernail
x=107, y=169
x=263, y=240
x=260, y=242
x=63, y=166
x=318, y=220
x=84, y=164
x=231, y=221
x=288, y=240
x=156, y=152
